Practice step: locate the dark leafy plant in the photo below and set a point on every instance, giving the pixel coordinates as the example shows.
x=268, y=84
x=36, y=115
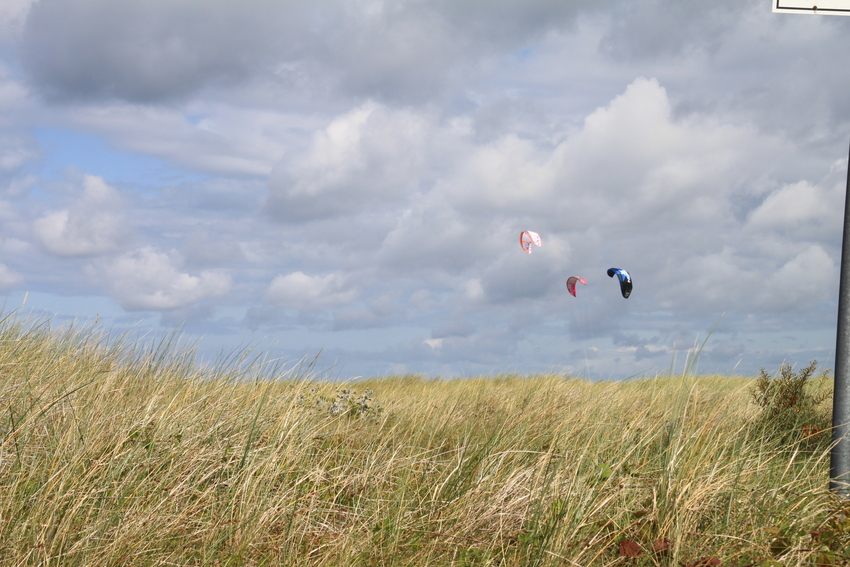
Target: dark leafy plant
x=792, y=408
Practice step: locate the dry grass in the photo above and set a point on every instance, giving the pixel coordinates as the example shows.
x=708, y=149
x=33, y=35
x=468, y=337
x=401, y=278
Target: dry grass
x=124, y=455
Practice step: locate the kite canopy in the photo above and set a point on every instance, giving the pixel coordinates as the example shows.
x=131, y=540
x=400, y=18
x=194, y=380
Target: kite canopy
x=625, y=280
x=571, y=284
x=527, y=238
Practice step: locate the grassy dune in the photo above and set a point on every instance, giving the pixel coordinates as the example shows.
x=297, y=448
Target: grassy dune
x=116, y=454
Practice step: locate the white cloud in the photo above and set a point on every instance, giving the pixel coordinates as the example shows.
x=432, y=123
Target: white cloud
x=9, y=278
x=806, y=279
x=149, y=280
x=404, y=146
x=635, y=186
x=209, y=137
x=632, y=173
x=95, y=224
x=799, y=206
x=14, y=153
x=507, y=174
x=302, y=292
x=203, y=247
x=473, y=290
x=730, y=281
x=13, y=14
x=431, y=237
x=370, y=156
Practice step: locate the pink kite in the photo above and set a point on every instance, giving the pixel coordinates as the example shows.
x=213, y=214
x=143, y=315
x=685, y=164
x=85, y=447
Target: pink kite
x=571, y=284
x=527, y=238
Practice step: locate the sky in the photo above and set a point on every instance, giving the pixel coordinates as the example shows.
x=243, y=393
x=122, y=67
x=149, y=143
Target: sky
x=348, y=179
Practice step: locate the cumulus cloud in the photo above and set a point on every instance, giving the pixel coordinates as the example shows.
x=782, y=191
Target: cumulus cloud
x=729, y=281
x=804, y=280
x=203, y=247
x=376, y=311
x=635, y=186
x=302, y=292
x=667, y=176
x=725, y=39
x=431, y=236
x=13, y=14
x=634, y=33
x=369, y=167
x=371, y=156
x=15, y=152
x=9, y=278
x=798, y=207
x=95, y=224
x=147, y=280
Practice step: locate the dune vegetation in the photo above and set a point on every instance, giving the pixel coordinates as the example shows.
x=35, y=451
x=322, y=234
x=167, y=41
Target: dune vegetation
x=120, y=452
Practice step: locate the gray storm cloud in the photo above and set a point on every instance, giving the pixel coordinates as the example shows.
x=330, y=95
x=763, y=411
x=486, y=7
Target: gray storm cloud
x=139, y=51
x=154, y=51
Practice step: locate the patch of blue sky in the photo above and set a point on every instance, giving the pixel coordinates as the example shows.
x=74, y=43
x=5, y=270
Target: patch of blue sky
x=525, y=54
x=292, y=346
x=305, y=341
x=62, y=308
x=195, y=119
x=63, y=148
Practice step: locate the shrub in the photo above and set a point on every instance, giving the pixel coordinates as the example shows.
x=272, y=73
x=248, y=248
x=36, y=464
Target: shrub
x=792, y=406
x=344, y=402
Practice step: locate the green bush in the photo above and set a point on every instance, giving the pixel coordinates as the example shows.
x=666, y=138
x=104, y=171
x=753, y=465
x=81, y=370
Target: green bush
x=792, y=404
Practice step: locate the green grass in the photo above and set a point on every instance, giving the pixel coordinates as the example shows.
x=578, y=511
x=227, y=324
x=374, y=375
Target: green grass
x=113, y=453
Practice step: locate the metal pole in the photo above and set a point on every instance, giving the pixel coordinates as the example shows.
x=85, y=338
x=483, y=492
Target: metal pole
x=839, y=462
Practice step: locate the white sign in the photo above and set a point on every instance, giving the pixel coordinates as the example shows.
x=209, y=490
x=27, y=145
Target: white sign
x=825, y=7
